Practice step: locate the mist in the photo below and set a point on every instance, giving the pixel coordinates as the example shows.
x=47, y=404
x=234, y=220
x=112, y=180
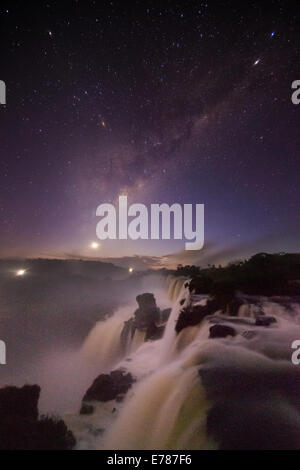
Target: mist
x=52, y=313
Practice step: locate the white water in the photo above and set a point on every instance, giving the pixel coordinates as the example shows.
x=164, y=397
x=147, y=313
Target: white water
x=102, y=346
x=167, y=406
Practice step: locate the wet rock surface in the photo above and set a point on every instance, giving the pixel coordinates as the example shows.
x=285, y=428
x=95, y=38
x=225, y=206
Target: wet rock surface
x=107, y=387
x=262, y=320
x=148, y=318
x=147, y=313
x=221, y=331
x=154, y=332
x=127, y=332
x=225, y=305
x=164, y=315
x=191, y=316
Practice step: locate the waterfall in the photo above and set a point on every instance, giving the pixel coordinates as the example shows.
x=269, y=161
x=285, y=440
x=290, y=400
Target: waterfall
x=162, y=414
x=168, y=405
x=177, y=292
x=175, y=285
x=102, y=346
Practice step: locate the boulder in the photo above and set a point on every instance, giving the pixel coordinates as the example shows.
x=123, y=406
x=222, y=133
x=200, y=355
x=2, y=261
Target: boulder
x=265, y=321
x=191, y=316
x=221, y=331
x=147, y=313
x=108, y=387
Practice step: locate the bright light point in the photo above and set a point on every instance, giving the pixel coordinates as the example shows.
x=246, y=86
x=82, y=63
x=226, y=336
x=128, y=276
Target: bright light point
x=21, y=272
x=130, y=270
x=94, y=245
x=257, y=62
x=272, y=34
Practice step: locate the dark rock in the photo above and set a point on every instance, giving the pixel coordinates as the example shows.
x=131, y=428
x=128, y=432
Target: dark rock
x=191, y=316
x=154, y=332
x=108, y=387
x=127, y=332
x=147, y=313
x=164, y=315
x=214, y=305
x=22, y=403
x=21, y=428
x=221, y=331
x=86, y=409
x=147, y=318
x=233, y=306
x=265, y=321
x=249, y=334
x=51, y=434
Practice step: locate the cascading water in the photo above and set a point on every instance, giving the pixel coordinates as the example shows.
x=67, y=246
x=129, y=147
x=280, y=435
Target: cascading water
x=102, y=346
x=178, y=293
x=174, y=393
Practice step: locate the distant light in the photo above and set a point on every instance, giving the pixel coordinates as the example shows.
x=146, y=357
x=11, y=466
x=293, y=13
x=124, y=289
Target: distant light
x=130, y=270
x=257, y=62
x=272, y=34
x=94, y=245
x=21, y=272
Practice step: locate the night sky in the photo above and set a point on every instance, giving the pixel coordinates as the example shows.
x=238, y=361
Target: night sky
x=186, y=102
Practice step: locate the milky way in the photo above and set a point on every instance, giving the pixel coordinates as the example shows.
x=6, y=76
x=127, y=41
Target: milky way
x=189, y=103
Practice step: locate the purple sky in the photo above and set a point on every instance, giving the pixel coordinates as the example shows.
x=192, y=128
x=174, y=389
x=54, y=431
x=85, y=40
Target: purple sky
x=187, y=103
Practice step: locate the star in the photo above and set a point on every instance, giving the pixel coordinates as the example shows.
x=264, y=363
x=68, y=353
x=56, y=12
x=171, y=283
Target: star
x=257, y=62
